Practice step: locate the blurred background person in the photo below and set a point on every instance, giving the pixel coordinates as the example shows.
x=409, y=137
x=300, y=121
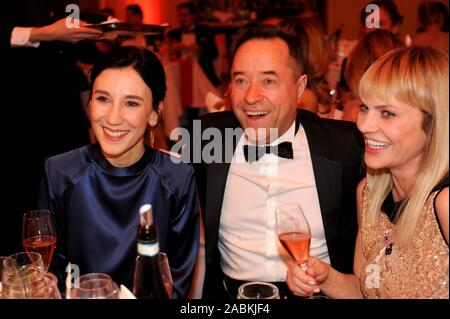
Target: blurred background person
x=194, y=40
x=42, y=107
x=313, y=44
x=134, y=14
x=433, y=20
x=401, y=249
x=372, y=46
x=390, y=17
x=105, y=45
x=108, y=12
x=390, y=20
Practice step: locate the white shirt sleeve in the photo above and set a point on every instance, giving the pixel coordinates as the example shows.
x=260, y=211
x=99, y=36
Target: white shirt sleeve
x=20, y=37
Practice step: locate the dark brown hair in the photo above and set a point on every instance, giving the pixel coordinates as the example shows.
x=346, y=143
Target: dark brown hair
x=256, y=30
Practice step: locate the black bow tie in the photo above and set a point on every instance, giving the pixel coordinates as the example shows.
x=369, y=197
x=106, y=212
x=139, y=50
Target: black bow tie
x=253, y=153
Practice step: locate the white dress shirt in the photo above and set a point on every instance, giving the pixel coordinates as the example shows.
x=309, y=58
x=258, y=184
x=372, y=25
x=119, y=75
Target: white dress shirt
x=188, y=38
x=248, y=241
x=20, y=37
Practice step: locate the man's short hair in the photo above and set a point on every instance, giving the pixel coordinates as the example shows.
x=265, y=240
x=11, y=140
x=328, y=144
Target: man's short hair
x=256, y=30
x=135, y=9
x=189, y=6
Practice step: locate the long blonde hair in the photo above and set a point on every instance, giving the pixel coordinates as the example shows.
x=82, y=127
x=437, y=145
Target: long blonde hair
x=417, y=76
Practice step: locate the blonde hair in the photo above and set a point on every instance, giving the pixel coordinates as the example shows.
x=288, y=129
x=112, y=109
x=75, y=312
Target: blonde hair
x=372, y=46
x=417, y=76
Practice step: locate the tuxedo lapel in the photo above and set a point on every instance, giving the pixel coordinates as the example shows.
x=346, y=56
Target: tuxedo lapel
x=329, y=187
x=217, y=178
x=328, y=177
x=217, y=174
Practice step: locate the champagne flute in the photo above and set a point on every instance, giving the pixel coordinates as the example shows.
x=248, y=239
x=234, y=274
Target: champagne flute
x=293, y=232
x=165, y=272
x=38, y=234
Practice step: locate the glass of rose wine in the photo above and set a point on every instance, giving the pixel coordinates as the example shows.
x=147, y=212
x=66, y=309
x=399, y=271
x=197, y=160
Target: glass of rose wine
x=38, y=234
x=293, y=231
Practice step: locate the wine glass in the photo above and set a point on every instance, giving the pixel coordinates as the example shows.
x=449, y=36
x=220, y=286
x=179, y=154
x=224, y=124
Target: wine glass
x=294, y=232
x=95, y=286
x=38, y=234
x=2, y=258
x=165, y=272
x=24, y=276
x=258, y=290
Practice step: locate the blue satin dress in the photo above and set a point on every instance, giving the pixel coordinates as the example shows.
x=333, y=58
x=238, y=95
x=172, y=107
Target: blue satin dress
x=96, y=206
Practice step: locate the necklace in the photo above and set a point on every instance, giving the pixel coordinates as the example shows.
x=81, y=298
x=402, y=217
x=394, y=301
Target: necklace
x=387, y=240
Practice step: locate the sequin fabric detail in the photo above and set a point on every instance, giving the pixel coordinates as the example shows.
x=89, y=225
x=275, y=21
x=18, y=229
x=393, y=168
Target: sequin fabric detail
x=419, y=271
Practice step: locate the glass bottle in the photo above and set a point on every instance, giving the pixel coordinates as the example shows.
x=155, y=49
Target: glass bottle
x=148, y=282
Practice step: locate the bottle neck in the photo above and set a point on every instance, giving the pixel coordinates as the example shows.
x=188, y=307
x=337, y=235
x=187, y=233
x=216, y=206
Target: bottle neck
x=148, y=249
x=147, y=241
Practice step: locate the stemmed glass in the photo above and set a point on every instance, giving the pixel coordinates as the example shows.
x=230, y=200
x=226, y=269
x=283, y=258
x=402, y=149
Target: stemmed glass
x=258, y=290
x=95, y=286
x=38, y=234
x=294, y=232
x=2, y=258
x=165, y=272
x=24, y=276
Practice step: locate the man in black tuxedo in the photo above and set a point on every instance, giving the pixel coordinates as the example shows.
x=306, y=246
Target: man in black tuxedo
x=195, y=39
x=318, y=165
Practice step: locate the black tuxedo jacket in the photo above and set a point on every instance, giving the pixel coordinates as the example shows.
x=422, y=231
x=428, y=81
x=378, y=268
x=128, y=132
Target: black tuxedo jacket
x=205, y=40
x=336, y=149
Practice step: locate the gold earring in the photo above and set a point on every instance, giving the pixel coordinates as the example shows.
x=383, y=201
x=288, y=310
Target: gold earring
x=151, y=136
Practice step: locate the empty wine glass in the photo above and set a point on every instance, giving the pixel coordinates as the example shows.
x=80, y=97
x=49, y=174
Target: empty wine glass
x=258, y=290
x=95, y=286
x=38, y=234
x=24, y=276
x=165, y=272
x=293, y=231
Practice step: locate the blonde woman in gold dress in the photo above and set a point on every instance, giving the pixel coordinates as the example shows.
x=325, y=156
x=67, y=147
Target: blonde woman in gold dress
x=401, y=249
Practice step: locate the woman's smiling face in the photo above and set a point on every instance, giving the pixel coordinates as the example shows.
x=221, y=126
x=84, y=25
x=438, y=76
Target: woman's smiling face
x=120, y=110
x=394, y=134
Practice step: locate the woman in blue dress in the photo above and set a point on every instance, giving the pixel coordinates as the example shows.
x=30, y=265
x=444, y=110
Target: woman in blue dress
x=95, y=192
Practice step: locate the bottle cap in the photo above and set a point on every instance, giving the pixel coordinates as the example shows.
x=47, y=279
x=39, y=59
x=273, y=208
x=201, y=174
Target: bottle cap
x=144, y=208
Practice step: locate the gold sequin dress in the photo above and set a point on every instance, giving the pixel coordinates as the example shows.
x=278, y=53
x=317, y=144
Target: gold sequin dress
x=421, y=271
